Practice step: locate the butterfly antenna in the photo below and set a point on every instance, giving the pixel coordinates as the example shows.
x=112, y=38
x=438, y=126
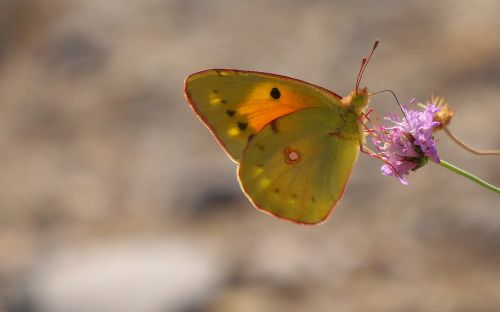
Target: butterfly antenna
x=364, y=63
x=396, y=98
x=358, y=79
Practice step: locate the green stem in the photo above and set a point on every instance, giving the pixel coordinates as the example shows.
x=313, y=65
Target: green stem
x=469, y=176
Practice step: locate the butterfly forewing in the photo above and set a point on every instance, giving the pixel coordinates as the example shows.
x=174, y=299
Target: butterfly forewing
x=236, y=105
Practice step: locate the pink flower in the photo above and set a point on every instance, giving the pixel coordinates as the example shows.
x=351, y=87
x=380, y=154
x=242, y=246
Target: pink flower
x=408, y=144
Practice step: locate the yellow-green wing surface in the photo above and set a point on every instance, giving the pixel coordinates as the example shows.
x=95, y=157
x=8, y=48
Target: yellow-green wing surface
x=297, y=166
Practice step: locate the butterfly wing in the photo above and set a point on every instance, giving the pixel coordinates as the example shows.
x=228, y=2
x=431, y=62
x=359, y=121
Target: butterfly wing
x=297, y=167
x=235, y=105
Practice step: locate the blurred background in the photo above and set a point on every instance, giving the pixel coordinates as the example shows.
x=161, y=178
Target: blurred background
x=114, y=197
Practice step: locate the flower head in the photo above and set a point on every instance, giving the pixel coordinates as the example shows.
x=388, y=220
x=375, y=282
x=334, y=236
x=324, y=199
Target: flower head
x=408, y=144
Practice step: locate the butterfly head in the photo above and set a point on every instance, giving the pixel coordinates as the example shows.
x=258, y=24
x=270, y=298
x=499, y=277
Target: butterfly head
x=357, y=100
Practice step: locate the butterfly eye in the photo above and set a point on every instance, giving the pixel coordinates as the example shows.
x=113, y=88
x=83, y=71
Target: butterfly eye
x=275, y=93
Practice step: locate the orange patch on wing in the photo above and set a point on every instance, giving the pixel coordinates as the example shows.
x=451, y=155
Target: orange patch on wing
x=260, y=108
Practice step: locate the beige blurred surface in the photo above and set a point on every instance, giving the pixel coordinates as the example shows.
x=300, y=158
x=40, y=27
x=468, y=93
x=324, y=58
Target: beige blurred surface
x=114, y=197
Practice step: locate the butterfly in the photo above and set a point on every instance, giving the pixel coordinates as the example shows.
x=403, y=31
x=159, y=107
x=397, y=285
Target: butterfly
x=295, y=143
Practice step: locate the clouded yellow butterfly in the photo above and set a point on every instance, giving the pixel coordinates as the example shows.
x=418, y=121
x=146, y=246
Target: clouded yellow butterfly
x=296, y=143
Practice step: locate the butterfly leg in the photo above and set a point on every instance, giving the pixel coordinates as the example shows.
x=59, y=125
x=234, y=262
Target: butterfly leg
x=369, y=152
x=372, y=127
x=377, y=131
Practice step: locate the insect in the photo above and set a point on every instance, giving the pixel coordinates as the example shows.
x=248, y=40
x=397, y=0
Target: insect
x=295, y=143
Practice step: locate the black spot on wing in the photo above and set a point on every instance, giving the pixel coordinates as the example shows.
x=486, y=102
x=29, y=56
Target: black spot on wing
x=274, y=126
x=230, y=113
x=242, y=125
x=275, y=93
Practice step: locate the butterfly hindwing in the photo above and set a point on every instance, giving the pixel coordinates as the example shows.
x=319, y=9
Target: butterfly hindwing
x=297, y=166
x=237, y=104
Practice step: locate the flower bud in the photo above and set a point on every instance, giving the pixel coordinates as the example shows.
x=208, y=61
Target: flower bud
x=444, y=115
